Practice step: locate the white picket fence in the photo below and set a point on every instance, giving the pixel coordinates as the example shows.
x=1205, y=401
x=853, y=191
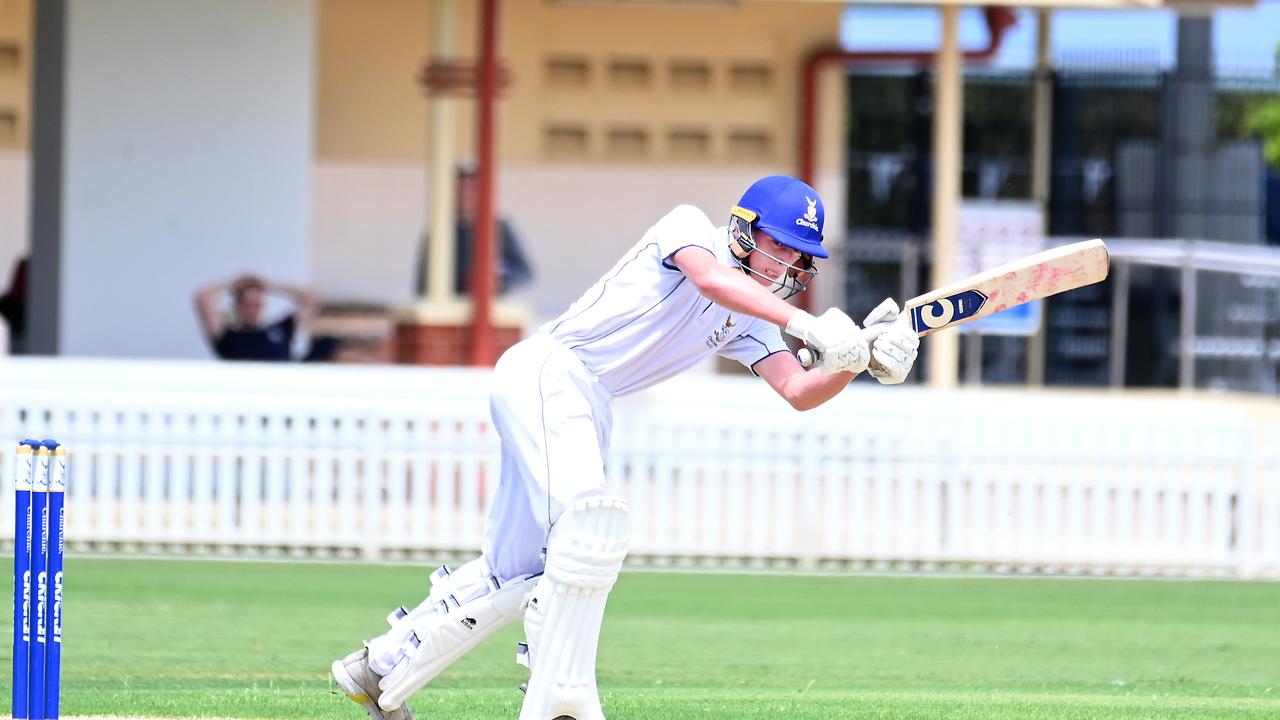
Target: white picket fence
x=179, y=457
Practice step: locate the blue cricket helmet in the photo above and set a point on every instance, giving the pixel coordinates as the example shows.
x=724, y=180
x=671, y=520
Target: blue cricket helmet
x=788, y=209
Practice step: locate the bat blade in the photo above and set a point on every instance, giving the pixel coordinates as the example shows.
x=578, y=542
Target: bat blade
x=1020, y=281
x=1016, y=282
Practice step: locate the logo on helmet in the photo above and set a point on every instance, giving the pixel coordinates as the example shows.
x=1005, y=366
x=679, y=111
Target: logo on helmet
x=810, y=219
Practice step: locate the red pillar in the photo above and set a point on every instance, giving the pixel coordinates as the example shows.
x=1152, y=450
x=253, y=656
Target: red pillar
x=482, y=266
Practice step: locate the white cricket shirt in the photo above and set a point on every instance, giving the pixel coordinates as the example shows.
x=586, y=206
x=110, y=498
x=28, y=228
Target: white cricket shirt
x=644, y=321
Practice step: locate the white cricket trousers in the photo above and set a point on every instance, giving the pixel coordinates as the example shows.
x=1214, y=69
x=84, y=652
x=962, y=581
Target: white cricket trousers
x=553, y=417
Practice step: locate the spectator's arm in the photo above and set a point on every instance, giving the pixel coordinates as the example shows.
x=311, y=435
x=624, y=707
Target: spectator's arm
x=305, y=302
x=207, y=299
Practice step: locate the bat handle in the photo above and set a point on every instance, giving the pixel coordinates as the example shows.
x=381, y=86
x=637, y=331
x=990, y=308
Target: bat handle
x=808, y=356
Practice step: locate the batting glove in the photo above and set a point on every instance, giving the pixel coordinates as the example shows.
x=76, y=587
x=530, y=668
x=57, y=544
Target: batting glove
x=838, y=340
x=894, y=346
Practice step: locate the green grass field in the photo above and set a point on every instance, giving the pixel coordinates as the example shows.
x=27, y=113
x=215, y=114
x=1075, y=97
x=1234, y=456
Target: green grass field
x=254, y=640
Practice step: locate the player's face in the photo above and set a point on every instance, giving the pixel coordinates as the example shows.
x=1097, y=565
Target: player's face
x=771, y=270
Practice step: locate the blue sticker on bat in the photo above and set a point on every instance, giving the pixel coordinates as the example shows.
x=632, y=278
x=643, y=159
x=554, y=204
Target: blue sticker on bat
x=947, y=311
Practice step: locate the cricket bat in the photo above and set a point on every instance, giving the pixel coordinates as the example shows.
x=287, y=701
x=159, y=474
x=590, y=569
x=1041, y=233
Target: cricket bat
x=1014, y=283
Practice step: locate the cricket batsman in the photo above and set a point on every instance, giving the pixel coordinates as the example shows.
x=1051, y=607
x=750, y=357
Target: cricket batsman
x=556, y=535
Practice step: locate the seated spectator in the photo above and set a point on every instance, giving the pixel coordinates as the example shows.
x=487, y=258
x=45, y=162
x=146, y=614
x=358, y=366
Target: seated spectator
x=244, y=335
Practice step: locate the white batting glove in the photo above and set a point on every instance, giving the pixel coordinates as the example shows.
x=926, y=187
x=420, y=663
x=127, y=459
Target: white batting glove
x=838, y=340
x=885, y=312
x=894, y=346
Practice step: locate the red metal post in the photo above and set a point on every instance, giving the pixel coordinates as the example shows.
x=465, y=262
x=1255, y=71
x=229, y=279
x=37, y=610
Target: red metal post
x=483, y=265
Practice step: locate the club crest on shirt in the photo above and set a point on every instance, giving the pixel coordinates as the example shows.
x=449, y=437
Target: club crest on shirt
x=719, y=336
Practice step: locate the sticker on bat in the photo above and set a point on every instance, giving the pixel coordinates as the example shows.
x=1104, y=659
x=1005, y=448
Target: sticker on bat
x=948, y=310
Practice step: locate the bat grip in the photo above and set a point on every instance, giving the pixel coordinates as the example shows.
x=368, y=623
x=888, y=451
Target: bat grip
x=808, y=356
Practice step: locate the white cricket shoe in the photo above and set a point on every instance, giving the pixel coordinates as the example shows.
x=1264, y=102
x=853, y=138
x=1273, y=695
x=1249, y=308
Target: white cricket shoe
x=360, y=683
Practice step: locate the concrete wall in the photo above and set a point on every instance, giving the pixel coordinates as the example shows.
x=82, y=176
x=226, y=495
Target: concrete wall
x=187, y=156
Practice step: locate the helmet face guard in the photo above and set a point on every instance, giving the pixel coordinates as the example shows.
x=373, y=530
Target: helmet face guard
x=742, y=243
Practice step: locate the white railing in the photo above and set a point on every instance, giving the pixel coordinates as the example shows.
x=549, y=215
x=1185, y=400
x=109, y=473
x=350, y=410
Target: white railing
x=394, y=462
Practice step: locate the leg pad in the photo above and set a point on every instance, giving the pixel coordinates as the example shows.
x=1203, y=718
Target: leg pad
x=562, y=621
x=443, y=637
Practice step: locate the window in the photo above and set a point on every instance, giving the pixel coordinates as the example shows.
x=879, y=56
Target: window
x=630, y=143
x=565, y=141
x=689, y=76
x=749, y=145
x=630, y=74
x=750, y=77
x=689, y=144
x=568, y=73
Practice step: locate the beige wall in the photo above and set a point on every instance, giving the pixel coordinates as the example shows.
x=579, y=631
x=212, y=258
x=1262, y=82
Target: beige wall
x=15, y=73
x=601, y=130
x=589, y=82
x=368, y=105
x=726, y=74
x=15, y=130
x=576, y=209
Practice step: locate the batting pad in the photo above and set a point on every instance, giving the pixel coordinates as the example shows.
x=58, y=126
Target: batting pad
x=562, y=623
x=444, y=636
x=450, y=589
